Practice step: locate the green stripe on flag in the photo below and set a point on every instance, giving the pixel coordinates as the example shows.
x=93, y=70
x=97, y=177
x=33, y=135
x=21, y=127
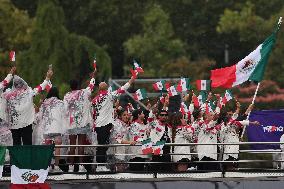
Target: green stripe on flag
x=34, y=157
x=267, y=46
x=2, y=155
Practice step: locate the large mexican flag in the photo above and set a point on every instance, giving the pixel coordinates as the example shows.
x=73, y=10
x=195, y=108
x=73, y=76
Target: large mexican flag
x=251, y=68
x=29, y=165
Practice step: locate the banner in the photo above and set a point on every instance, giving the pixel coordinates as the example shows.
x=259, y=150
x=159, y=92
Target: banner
x=270, y=130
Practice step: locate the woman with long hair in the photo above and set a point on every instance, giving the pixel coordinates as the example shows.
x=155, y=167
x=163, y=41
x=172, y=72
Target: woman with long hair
x=138, y=132
x=181, y=133
x=120, y=135
x=52, y=118
x=80, y=120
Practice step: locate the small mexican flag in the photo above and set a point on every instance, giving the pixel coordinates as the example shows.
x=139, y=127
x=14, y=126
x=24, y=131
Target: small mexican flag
x=29, y=165
x=12, y=56
x=2, y=159
x=172, y=91
x=140, y=94
x=162, y=99
x=147, y=146
x=201, y=98
x=137, y=67
x=183, y=85
x=203, y=85
x=158, y=148
x=227, y=97
x=183, y=108
x=212, y=106
x=95, y=62
x=195, y=100
x=161, y=85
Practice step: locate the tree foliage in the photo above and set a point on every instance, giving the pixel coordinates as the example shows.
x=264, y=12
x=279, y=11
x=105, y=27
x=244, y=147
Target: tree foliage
x=70, y=54
x=15, y=30
x=156, y=44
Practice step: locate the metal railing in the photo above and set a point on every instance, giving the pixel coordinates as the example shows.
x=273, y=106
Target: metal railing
x=252, y=157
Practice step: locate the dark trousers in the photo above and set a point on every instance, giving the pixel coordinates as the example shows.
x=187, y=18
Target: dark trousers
x=208, y=166
x=161, y=167
x=22, y=135
x=103, y=134
x=137, y=167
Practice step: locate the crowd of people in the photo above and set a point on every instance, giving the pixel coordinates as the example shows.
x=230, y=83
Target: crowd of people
x=80, y=114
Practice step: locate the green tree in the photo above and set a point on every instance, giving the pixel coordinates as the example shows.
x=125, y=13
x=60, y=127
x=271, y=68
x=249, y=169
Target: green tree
x=156, y=44
x=109, y=23
x=15, y=32
x=71, y=55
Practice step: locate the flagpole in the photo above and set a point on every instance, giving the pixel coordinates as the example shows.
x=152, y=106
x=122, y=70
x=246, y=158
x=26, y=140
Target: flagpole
x=252, y=103
x=131, y=96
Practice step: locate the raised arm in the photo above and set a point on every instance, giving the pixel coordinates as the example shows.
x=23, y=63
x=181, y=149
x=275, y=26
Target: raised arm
x=92, y=82
x=125, y=87
x=8, y=78
x=43, y=85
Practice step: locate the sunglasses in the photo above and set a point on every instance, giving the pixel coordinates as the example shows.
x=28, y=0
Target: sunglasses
x=163, y=115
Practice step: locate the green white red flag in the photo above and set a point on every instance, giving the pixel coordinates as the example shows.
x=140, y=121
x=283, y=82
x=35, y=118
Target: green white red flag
x=147, y=147
x=203, y=85
x=200, y=99
x=227, y=97
x=137, y=66
x=29, y=165
x=183, y=85
x=172, y=91
x=183, y=108
x=140, y=94
x=161, y=85
x=251, y=68
x=158, y=147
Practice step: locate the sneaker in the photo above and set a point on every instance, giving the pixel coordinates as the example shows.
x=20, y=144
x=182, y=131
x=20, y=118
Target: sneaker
x=71, y=169
x=82, y=169
x=192, y=169
x=50, y=169
x=101, y=168
x=57, y=169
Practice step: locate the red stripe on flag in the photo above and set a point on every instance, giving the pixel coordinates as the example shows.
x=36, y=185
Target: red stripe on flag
x=224, y=77
x=179, y=87
x=155, y=87
x=30, y=186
